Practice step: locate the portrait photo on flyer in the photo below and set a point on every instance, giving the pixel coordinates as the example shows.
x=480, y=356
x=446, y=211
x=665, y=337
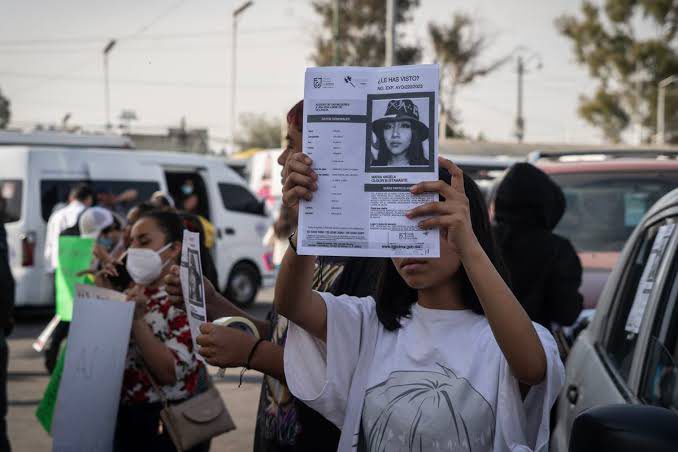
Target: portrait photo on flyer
x=400, y=130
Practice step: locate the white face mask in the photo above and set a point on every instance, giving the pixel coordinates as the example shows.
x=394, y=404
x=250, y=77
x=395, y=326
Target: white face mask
x=145, y=266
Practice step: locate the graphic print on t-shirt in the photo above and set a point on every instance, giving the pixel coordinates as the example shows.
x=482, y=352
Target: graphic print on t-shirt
x=426, y=411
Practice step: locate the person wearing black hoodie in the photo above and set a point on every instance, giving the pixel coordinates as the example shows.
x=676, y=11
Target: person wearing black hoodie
x=544, y=268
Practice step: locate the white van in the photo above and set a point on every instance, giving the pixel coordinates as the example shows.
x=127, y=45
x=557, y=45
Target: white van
x=34, y=178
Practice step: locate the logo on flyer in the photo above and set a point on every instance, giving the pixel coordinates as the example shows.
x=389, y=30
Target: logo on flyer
x=317, y=82
x=349, y=80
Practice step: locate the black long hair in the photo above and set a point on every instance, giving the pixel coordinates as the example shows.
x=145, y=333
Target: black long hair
x=168, y=222
x=414, y=152
x=395, y=298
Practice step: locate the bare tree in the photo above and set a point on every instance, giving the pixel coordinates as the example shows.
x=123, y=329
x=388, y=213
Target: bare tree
x=459, y=48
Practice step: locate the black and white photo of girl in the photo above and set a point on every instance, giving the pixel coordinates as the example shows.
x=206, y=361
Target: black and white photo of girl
x=400, y=139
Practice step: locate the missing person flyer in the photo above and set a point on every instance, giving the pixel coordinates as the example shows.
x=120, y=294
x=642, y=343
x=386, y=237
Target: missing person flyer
x=372, y=134
x=190, y=274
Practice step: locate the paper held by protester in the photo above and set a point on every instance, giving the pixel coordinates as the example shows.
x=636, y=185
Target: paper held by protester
x=75, y=255
x=89, y=390
x=192, y=285
x=372, y=134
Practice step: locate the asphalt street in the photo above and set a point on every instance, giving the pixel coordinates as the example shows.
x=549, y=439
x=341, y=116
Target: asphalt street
x=28, y=379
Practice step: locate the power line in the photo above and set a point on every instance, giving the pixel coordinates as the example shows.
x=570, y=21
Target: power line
x=218, y=33
x=92, y=79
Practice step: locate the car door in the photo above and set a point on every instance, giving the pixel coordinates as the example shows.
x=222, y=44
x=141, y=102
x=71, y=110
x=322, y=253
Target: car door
x=241, y=221
x=659, y=373
x=604, y=365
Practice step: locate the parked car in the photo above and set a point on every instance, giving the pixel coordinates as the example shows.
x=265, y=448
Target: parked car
x=628, y=353
x=484, y=170
x=607, y=194
x=34, y=178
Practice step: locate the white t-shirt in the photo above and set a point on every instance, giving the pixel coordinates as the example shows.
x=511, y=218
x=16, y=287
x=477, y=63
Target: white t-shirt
x=439, y=383
x=58, y=222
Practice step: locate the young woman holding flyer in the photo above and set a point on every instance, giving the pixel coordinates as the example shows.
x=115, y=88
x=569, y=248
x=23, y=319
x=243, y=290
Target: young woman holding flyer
x=443, y=357
x=161, y=347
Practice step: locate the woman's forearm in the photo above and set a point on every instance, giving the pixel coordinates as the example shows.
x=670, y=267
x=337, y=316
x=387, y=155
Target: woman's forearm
x=294, y=296
x=158, y=359
x=510, y=324
x=268, y=359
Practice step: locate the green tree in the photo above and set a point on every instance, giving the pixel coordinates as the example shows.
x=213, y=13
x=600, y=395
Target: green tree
x=629, y=46
x=259, y=131
x=362, y=27
x=459, y=48
x=5, y=113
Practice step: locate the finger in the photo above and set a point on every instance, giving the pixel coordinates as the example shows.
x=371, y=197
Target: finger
x=298, y=167
x=456, y=173
x=432, y=223
x=297, y=179
x=300, y=157
x=203, y=341
x=206, y=352
x=206, y=328
x=436, y=186
x=292, y=197
x=431, y=208
x=174, y=270
x=441, y=222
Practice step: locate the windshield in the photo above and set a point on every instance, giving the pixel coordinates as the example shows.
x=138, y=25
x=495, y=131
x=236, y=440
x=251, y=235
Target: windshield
x=603, y=209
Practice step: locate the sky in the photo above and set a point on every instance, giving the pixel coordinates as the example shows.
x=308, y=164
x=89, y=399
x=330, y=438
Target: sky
x=173, y=59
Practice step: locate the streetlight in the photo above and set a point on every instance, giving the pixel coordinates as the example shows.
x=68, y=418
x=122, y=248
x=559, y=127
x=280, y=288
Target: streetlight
x=236, y=13
x=107, y=50
x=661, y=109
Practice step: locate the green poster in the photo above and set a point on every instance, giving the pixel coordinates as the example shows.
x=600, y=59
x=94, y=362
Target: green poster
x=75, y=255
x=45, y=411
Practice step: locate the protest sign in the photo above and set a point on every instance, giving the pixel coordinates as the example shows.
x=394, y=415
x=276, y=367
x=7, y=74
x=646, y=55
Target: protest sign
x=75, y=255
x=45, y=411
x=89, y=393
x=192, y=285
x=371, y=133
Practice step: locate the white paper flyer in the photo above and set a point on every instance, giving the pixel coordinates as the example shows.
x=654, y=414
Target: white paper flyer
x=192, y=285
x=372, y=134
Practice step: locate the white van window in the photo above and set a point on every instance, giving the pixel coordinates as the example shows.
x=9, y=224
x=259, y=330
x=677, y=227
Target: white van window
x=54, y=192
x=10, y=200
x=238, y=199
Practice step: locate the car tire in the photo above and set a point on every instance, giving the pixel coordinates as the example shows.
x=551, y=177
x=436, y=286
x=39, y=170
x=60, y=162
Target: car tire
x=243, y=285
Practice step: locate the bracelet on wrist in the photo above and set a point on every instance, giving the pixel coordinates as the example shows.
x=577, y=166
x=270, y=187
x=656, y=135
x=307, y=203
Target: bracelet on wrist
x=291, y=240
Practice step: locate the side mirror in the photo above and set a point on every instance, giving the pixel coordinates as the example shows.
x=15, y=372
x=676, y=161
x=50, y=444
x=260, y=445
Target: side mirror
x=622, y=428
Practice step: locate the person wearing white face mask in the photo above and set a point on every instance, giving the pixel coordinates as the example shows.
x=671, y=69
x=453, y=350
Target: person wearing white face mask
x=161, y=342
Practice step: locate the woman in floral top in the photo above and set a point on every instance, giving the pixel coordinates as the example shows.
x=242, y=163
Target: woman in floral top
x=161, y=339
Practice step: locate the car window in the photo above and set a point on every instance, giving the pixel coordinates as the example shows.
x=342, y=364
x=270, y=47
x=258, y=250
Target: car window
x=603, y=209
x=10, y=200
x=660, y=372
x=54, y=193
x=621, y=343
x=238, y=199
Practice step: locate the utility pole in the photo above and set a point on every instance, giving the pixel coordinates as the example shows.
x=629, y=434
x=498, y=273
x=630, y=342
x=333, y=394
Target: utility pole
x=391, y=14
x=107, y=94
x=661, y=108
x=335, y=32
x=522, y=70
x=520, y=121
x=234, y=62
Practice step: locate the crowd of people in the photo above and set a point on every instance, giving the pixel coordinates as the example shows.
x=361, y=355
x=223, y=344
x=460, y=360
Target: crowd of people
x=357, y=353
